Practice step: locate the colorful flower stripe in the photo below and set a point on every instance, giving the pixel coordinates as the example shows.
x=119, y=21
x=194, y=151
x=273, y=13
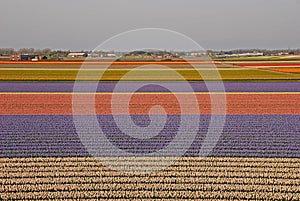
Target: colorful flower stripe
x=140, y=103
x=242, y=136
x=287, y=70
x=268, y=64
x=151, y=86
x=114, y=63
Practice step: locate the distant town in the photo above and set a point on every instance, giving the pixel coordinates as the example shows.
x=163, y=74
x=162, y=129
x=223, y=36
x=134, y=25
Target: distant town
x=31, y=54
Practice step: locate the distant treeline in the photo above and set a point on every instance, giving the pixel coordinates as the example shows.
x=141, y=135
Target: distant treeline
x=45, y=51
x=41, y=52
x=266, y=52
x=10, y=51
x=62, y=53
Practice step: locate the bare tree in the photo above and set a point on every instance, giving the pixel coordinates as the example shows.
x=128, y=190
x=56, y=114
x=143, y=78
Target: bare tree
x=46, y=51
x=38, y=51
x=7, y=51
x=26, y=51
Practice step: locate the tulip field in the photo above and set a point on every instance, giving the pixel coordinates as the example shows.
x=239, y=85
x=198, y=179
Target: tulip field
x=242, y=136
x=68, y=75
x=190, y=178
x=109, y=87
x=43, y=156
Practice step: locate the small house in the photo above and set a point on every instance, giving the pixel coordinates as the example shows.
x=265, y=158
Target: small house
x=77, y=54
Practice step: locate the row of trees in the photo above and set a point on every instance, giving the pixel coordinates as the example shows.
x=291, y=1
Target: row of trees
x=9, y=51
x=45, y=51
x=264, y=51
x=49, y=52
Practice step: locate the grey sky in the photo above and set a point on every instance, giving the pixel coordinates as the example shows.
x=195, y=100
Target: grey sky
x=214, y=24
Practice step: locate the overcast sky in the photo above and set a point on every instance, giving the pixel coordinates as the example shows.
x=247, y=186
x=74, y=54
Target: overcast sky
x=214, y=24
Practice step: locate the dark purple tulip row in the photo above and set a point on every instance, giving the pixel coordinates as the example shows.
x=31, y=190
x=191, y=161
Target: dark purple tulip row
x=152, y=87
x=243, y=136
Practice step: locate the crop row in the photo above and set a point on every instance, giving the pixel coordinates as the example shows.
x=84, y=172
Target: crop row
x=186, y=163
x=215, y=161
x=232, y=172
x=287, y=70
x=23, y=74
x=151, y=86
x=241, y=103
x=111, y=178
x=154, y=195
x=150, y=187
x=268, y=64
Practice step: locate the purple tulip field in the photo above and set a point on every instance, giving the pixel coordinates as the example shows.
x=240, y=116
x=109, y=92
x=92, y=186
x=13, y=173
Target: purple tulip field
x=270, y=136
x=109, y=86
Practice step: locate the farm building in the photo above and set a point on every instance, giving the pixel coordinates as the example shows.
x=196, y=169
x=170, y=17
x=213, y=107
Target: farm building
x=24, y=57
x=77, y=54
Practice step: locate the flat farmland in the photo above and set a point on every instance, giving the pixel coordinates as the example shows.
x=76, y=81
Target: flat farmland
x=256, y=155
x=67, y=71
x=257, y=136
x=83, y=178
x=267, y=64
x=159, y=87
x=231, y=74
x=140, y=103
x=110, y=65
x=287, y=70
